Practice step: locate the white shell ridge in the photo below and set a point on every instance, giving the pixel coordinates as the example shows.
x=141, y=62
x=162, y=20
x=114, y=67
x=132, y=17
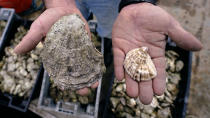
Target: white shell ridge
x=138, y=64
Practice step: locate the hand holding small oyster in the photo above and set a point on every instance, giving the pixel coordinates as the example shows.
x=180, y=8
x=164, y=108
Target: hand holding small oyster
x=161, y=106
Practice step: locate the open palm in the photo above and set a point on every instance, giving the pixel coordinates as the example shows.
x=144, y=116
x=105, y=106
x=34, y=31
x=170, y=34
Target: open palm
x=41, y=26
x=147, y=25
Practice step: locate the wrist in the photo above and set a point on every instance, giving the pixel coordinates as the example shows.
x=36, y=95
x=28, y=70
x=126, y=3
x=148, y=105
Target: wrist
x=134, y=8
x=60, y=3
x=125, y=3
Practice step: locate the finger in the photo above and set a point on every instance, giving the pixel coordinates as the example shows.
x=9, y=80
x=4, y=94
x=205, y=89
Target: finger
x=41, y=26
x=183, y=38
x=159, y=82
x=95, y=85
x=145, y=92
x=118, y=63
x=29, y=41
x=131, y=86
x=83, y=91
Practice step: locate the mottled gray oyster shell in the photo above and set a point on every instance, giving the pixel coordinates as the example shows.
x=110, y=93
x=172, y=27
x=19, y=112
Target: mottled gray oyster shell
x=69, y=56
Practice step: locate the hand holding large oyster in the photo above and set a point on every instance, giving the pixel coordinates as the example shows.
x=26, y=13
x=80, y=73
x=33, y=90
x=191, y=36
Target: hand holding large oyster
x=69, y=56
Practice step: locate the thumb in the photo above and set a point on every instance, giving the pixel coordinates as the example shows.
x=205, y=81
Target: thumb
x=30, y=40
x=183, y=38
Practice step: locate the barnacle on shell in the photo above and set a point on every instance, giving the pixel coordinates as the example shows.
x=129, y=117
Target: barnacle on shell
x=138, y=64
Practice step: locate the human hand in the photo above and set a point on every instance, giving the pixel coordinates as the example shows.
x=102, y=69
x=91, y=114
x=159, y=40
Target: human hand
x=147, y=25
x=43, y=23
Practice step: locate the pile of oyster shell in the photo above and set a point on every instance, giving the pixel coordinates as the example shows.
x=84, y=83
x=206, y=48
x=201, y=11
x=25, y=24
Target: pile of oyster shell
x=2, y=26
x=124, y=106
x=18, y=72
x=70, y=96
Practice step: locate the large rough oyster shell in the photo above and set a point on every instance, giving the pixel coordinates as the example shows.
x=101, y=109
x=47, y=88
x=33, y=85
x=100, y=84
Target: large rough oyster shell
x=69, y=56
x=138, y=64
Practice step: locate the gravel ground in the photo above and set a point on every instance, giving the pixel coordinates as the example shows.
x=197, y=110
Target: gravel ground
x=194, y=16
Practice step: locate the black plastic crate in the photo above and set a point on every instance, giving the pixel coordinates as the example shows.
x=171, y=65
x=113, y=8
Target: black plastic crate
x=184, y=85
x=6, y=15
x=6, y=99
x=19, y=103
x=77, y=110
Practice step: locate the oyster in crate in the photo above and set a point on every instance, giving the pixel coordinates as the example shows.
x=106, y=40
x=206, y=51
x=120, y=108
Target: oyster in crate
x=2, y=26
x=138, y=64
x=161, y=106
x=17, y=73
x=69, y=56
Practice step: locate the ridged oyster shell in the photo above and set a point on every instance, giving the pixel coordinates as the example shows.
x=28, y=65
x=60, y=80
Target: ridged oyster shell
x=69, y=56
x=138, y=64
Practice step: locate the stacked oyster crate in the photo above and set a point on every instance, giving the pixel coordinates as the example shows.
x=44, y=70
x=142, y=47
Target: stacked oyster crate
x=6, y=22
x=19, y=75
x=118, y=104
x=171, y=104
x=114, y=101
x=70, y=103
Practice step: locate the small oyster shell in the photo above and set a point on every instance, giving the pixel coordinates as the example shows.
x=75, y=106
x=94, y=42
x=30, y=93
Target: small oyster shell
x=69, y=56
x=163, y=113
x=131, y=102
x=179, y=65
x=138, y=64
x=114, y=101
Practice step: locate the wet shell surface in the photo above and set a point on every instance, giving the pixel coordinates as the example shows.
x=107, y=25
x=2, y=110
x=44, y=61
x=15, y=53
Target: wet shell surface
x=69, y=56
x=138, y=64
